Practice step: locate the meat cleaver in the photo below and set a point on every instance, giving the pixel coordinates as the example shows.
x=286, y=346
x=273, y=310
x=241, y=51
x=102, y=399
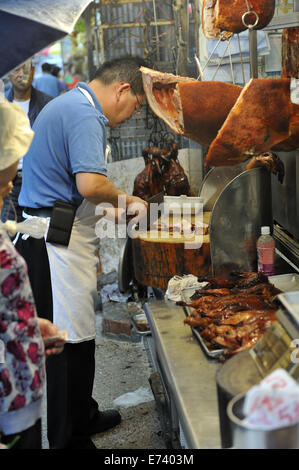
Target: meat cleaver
x=152, y=214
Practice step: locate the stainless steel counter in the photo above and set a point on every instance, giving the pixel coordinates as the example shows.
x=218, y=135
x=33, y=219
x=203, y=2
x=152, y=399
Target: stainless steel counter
x=188, y=374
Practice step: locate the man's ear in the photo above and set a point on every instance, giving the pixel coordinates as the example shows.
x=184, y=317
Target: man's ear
x=121, y=88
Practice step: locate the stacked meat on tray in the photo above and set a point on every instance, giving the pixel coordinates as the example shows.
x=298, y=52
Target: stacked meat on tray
x=233, y=313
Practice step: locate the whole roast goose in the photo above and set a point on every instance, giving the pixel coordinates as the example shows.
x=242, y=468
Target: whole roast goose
x=162, y=173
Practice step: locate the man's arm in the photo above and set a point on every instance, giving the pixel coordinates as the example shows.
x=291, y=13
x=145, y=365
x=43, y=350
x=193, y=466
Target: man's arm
x=98, y=188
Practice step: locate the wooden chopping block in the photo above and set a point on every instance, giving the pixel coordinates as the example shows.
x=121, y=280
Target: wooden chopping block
x=157, y=258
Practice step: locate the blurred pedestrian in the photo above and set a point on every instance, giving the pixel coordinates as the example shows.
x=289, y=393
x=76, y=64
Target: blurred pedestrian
x=47, y=82
x=32, y=102
x=56, y=73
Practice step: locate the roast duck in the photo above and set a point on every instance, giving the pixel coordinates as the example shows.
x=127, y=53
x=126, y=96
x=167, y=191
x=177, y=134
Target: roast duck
x=233, y=313
x=162, y=173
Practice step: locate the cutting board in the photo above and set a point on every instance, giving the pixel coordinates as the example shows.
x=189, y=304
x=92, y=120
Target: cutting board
x=157, y=258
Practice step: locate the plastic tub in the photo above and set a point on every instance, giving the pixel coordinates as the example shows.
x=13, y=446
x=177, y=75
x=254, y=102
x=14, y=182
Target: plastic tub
x=179, y=204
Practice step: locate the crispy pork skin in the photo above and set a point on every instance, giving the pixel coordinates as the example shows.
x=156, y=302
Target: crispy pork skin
x=191, y=108
x=292, y=142
x=290, y=53
x=238, y=122
x=226, y=15
x=259, y=119
x=205, y=107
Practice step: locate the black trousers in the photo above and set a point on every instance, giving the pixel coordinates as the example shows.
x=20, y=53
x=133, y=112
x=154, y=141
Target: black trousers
x=34, y=252
x=71, y=408
x=70, y=375
x=7, y=212
x=28, y=439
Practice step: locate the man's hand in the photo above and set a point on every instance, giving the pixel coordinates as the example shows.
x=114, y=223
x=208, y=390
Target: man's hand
x=136, y=208
x=48, y=330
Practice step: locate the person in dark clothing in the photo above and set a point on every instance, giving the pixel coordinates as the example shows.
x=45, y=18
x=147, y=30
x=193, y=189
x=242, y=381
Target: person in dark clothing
x=32, y=102
x=55, y=71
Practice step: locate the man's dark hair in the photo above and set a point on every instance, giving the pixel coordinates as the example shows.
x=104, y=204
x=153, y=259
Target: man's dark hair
x=55, y=70
x=46, y=67
x=123, y=69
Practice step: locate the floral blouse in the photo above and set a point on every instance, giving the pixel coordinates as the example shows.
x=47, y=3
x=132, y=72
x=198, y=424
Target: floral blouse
x=22, y=360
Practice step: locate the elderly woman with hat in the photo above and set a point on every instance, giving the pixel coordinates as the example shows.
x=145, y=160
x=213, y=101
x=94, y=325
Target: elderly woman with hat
x=22, y=350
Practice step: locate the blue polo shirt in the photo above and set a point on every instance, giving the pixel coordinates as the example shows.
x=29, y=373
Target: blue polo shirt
x=70, y=137
x=48, y=84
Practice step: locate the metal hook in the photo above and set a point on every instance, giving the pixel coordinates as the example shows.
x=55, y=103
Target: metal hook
x=250, y=12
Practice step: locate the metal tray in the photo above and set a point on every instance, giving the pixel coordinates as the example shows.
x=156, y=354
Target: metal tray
x=285, y=282
x=140, y=332
x=211, y=351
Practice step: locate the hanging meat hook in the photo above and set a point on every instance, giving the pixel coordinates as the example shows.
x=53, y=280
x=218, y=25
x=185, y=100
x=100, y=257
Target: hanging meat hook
x=250, y=12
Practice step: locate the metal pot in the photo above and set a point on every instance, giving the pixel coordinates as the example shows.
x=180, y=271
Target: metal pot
x=246, y=438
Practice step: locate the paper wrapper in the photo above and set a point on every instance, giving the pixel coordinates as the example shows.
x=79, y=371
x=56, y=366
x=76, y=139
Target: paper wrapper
x=272, y=404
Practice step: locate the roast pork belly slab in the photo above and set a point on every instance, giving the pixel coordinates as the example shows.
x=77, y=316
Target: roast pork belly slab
x=189, y=107
x=259, y=119
x=290, y=53
x=226, y=15
x=292, y=142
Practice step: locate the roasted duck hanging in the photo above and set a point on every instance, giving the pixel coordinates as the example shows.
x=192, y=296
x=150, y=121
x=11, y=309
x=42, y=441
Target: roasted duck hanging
x=233, y=16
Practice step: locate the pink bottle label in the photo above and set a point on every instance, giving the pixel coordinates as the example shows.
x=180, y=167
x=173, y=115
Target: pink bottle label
x=266, y=255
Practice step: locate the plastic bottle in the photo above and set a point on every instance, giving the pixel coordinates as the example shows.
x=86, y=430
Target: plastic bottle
x=266, y=252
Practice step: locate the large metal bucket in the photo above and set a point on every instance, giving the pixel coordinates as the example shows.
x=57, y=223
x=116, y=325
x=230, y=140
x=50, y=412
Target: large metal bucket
x=246, y=438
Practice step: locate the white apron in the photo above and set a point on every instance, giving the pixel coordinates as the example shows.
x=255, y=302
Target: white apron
x=74, y=277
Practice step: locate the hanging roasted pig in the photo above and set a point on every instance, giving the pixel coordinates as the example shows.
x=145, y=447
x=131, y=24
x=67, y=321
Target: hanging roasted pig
x=262, y=117
x=290, y=53
x=190, y=108
x=162, y=173
x=290, y=69
x=237, y=123
x=220, y=16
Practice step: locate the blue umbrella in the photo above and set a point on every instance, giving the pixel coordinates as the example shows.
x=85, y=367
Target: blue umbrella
x=28, y=26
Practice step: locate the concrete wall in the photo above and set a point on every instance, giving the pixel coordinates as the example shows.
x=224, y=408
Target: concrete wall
x=122, y=174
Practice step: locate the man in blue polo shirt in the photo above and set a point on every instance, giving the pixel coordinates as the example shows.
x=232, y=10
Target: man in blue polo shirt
x=66, y=162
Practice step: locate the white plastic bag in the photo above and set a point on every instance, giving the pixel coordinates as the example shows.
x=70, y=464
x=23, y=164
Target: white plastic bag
x=141, y=395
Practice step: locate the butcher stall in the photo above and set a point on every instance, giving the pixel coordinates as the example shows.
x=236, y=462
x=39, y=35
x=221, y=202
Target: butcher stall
x=212, y=340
